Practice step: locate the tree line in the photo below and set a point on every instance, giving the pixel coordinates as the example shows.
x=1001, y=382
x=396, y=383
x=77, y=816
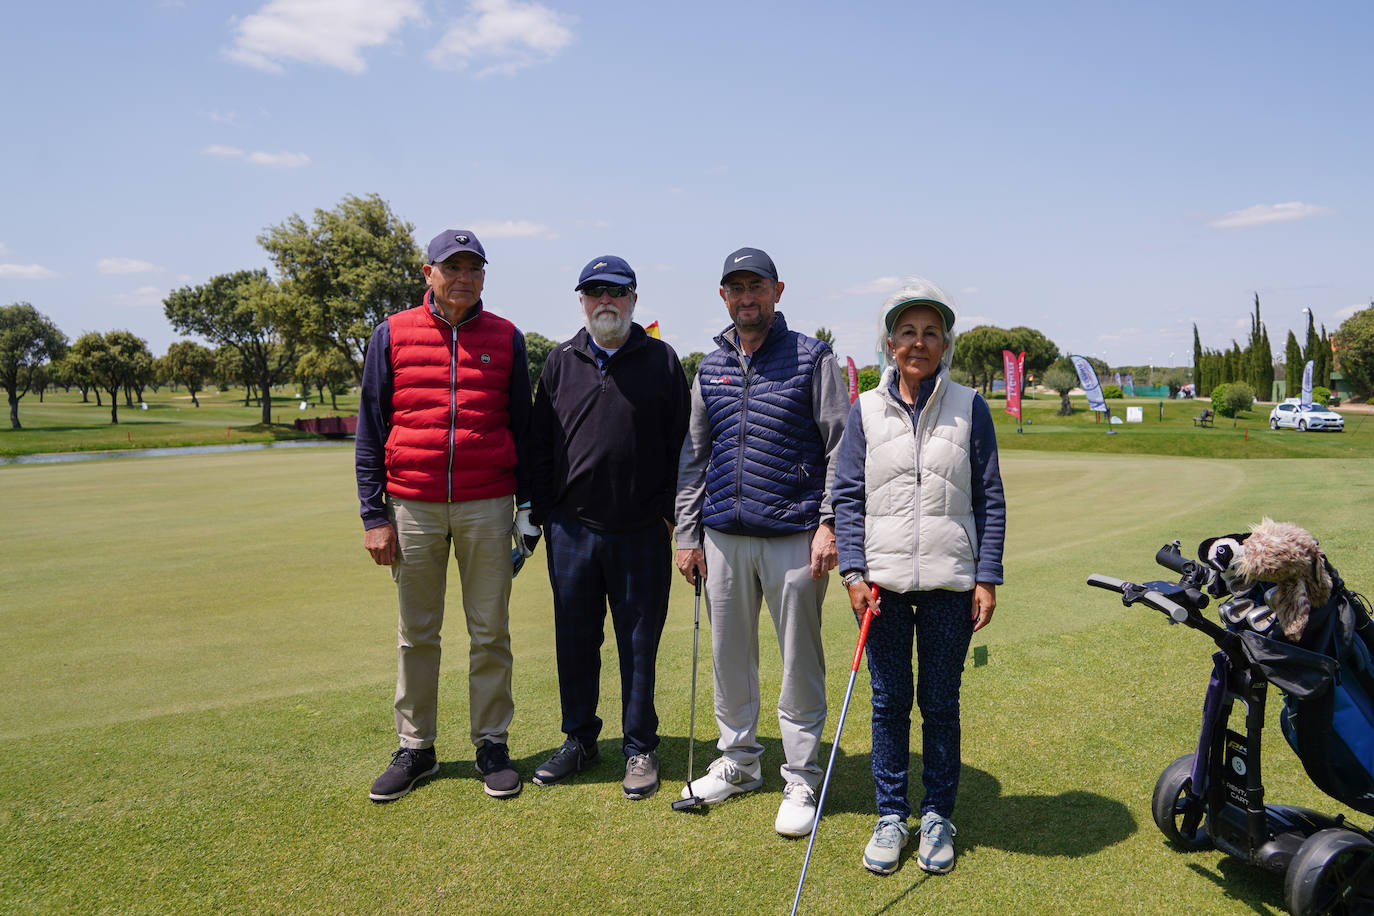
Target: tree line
x=343, y=272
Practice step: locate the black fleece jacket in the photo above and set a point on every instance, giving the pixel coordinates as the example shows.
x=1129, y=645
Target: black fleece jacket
x=604, y=446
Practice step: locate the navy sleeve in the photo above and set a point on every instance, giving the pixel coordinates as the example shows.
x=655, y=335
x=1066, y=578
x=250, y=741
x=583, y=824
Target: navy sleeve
x=540, y=445
x=989, y=502
x=521, y=400
x=847, y=493
x=374, y=424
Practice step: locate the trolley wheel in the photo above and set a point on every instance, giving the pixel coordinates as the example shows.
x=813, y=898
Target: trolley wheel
x=1333, y=872
x=1173, y=792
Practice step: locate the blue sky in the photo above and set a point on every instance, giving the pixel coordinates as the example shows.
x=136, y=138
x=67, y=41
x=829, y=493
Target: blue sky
x=1108, y=173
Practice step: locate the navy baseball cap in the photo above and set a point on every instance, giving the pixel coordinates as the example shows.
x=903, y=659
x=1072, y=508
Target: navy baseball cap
x=607, y=269
x=754, y=260
x=451, y=241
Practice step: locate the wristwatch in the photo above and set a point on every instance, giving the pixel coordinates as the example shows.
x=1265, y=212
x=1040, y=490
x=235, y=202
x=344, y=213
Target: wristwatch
x=852, y=577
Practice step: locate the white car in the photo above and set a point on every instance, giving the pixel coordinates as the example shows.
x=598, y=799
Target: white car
x=1294, y=415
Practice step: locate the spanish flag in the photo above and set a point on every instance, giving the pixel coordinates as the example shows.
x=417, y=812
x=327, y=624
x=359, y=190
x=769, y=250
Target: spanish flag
x=652, y=331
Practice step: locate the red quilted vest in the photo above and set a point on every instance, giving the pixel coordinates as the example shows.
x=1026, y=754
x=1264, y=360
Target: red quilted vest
x=450, y=437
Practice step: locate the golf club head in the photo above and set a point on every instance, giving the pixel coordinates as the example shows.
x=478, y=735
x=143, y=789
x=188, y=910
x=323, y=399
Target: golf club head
x=692, y=803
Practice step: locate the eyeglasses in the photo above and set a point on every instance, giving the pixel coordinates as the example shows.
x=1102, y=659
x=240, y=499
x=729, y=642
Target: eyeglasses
x=615, y=292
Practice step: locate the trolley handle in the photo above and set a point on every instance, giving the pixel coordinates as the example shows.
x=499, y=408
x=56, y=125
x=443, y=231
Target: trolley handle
x=1131, y=593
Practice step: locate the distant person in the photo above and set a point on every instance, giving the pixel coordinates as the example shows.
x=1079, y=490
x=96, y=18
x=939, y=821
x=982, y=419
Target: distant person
x=609, y=416
x=754, y=520
x=919, y=512
x=445, y=404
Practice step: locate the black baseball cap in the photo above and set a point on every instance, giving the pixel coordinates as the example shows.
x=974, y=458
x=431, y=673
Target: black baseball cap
x=754, y=260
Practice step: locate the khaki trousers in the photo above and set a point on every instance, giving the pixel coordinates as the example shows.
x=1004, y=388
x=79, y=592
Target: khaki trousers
x=480, y=532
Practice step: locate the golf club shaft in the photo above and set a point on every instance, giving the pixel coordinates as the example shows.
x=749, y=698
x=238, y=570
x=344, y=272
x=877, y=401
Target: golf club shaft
x=835, y=747
x=692, y=716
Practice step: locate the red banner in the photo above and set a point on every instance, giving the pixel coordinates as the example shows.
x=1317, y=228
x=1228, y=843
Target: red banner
x=853, y=375
x=1014, y=368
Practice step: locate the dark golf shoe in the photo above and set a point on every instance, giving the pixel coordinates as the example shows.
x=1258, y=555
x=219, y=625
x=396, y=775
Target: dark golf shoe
x=641, y=776
x=408, y=766
x=571, y=758
x=499, y=778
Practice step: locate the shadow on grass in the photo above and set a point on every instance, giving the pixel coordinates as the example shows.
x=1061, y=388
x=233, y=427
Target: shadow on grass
x=1245, y=884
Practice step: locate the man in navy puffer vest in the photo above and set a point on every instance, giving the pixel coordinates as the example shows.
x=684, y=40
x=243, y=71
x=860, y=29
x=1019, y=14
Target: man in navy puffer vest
x=754, y=521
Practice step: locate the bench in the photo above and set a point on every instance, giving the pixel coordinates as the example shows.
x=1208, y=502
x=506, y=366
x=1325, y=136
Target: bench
x=1205, y=419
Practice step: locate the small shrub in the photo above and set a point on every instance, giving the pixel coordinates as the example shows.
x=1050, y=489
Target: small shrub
x=868, y=378
x=1321, y=395
x=1231, y=398
x=1113, y=392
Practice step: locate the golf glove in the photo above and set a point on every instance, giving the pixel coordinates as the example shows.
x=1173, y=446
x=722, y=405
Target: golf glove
x=526, y=536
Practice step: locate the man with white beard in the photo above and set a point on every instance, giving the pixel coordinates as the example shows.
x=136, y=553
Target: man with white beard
x=610, y=414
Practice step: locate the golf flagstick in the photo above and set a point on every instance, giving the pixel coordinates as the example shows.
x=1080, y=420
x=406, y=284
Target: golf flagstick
x=834, y=748
x=692, y=800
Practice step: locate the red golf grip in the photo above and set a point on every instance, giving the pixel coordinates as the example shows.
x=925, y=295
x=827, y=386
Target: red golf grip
x=863, y=633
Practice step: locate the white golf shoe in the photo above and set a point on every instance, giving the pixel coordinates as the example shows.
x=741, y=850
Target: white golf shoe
x=797, y=812
x=883, y=853
x=936, y=853
x=723, y=778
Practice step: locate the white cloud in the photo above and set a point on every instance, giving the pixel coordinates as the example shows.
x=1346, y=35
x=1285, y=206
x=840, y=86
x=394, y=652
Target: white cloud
x=968, y=290
x=871, y=288
x=25, y=272
x=125, y=266
x=280, y=160
x=512, y=229
x=1262, y=214
x=273, y=160
x=4, y=249
x=143, y=297
x=331, y=33
x=502, y=36
x=224, y=117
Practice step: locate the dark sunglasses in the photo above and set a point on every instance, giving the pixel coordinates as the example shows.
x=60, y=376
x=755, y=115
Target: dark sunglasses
x=615, y=292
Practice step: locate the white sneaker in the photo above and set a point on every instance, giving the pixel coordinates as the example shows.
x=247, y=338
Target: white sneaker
x=723, y=778
x=797, y=812
x=883, y=853
x=936, y=854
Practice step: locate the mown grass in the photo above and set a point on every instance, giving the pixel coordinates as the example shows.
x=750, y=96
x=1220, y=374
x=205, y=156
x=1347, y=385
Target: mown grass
x=199, y=674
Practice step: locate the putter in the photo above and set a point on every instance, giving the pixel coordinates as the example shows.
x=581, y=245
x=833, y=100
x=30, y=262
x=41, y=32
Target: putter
x=834, y=748
x=692, y=801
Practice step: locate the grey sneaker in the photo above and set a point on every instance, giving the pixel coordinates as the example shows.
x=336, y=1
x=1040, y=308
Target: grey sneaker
x=408, y=766
x=723, y=778
x=883, y=853
x=641, y=776
x=936, y=853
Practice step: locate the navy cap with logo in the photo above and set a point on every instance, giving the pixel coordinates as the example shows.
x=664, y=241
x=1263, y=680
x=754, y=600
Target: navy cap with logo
x=608, y=270
x=451, y=241
x=754, y=260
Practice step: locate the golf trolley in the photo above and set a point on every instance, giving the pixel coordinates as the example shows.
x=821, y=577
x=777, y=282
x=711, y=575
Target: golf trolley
x=1215, y=796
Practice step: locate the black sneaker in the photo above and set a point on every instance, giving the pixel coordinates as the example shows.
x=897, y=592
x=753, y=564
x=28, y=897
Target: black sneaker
x=641, y=776
x=499, y=778
x=571, y=758
x=408, y=766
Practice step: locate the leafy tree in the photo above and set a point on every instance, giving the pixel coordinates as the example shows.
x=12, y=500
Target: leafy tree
x=1063, y=379
x=537, y=348
x=1040, y=351
x=321, y=369
x=1112, y=392
x=869, y=378
x=139, y=365
x=28, y=339
x=1355, y=350
x=1292, y=364
x=1175, y=378
x=111, y=361
x=42, y=379
x=691, y=362
x=344, y=273
x=825, y=334
x=243, y=310
x=979, y=353
x=188, y=363
x=1231, y=398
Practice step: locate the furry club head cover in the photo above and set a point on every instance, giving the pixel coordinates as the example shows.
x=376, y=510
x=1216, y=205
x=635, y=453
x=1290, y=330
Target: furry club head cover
x=1286, y=555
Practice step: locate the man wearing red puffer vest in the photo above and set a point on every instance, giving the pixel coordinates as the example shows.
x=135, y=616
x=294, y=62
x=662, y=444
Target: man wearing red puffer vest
x=445, y=403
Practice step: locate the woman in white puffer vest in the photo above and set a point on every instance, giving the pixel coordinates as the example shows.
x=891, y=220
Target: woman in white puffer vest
x=920, y=513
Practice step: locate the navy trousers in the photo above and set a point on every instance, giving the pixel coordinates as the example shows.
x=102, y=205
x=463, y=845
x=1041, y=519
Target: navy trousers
x=630, y=571
x=942, y=628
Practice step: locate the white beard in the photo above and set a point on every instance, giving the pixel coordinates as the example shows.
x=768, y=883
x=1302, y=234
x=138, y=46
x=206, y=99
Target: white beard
x=608, y=329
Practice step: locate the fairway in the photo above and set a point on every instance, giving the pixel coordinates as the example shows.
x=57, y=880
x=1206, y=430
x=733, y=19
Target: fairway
x=199, y=673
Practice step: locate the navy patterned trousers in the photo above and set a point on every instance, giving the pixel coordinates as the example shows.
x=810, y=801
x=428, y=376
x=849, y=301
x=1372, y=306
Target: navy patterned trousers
x=631, y=571
x=940, y=624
